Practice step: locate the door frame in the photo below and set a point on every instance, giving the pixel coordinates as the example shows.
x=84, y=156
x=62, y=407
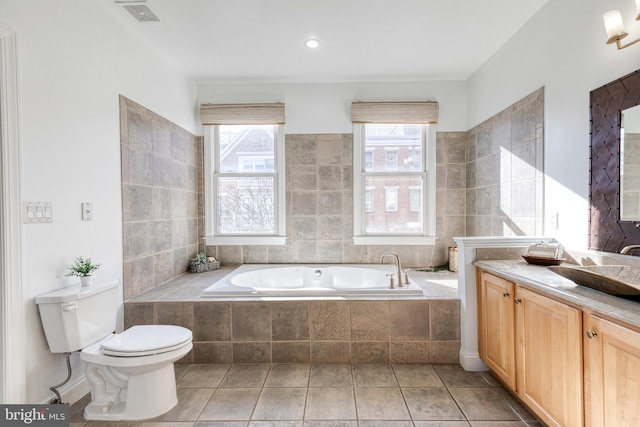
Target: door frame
x=12, y=320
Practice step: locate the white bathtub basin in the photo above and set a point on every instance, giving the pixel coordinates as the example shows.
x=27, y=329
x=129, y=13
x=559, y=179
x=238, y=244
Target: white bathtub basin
x=310, y=281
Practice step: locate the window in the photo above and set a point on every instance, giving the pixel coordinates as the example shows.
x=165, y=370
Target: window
x=244, y=199
x=369, y=193
x=415, y=199
x=405, y=176
x=391, y=158
x=392, y=199
x=368, y=159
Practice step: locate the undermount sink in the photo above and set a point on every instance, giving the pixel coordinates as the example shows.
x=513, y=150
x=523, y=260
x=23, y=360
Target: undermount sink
x=618, y=280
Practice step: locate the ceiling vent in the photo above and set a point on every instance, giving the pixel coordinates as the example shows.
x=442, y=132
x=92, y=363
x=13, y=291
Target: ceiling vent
x=139, y=10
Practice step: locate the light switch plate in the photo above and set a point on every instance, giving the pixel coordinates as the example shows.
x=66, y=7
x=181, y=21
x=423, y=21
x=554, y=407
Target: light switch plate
x=37, y=212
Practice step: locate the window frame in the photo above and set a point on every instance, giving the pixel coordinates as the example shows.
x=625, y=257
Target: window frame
x=428, y=172
x=211, y=175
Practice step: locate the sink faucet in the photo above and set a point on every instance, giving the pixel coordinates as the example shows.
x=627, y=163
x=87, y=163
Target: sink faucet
x=629, y=248
x=393, y=254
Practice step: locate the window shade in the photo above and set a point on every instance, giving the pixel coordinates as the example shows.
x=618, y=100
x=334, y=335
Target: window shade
x=242, y=114
x=394, y=112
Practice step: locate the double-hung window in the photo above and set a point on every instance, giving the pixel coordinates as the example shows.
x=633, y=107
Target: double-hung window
x=244, y=174
x=394, y=162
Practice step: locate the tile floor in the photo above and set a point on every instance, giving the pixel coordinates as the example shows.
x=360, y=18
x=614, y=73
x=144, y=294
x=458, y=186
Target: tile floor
x=301, y=395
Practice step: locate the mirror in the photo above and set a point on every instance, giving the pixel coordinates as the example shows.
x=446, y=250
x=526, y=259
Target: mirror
x=614, y=219
x=630, y=164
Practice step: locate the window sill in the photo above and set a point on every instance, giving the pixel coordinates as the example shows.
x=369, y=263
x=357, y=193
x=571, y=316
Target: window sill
x=394, y=240
x=245, y=240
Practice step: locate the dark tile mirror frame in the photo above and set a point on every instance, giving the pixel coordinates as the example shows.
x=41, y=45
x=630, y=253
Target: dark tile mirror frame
x=606, y=231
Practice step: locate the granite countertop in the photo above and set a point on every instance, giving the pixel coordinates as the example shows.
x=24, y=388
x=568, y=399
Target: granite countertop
x=441, y=285
x=547, y=282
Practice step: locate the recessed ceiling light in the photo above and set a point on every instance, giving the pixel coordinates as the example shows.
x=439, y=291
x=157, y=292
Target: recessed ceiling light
x=312, y=43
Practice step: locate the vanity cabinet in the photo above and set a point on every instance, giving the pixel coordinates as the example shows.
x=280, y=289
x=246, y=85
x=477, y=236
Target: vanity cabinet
x=496, y=323
x=612, y=374
x=532, y=343
x=549, y=358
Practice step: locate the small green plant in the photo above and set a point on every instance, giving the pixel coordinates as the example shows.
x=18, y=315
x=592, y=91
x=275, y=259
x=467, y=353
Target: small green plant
x=199, y=259
x=82, y=267
x=435, y=268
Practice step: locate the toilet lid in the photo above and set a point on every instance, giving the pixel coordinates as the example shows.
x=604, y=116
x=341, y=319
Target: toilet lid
x=143, y=340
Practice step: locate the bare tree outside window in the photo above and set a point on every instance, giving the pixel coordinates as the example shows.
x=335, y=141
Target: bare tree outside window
x=246, y=180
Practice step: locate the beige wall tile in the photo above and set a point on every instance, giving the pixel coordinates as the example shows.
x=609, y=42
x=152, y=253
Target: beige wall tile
x=330, y=352
x=410, y=352
x=138, y=314
x=213, y=321
x=289, y=321
x=291, y=352
x=445, y=320
x=329, y=320
x=251, y=321
x=409, y=320
x=370, y=352
x=252, y=352
x=212, y=352
x=179, y=313
x=369, y=320
x=445, y=351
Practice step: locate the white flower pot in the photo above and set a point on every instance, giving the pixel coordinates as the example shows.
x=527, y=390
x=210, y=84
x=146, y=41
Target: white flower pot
x=86, y=280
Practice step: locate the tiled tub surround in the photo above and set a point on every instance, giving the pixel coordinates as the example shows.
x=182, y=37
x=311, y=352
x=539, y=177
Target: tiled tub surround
x=161, y=183
x=253, y=330
x=319, y=199
x=488, y=180
x=504, y=171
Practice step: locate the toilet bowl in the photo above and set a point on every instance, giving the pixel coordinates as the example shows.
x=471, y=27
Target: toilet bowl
x=131, y=374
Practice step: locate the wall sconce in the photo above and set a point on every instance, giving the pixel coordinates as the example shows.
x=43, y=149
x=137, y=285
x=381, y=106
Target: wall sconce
x=615, y=27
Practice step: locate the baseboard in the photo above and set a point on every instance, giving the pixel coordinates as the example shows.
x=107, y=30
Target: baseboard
x=472, y=362
x=72, y=392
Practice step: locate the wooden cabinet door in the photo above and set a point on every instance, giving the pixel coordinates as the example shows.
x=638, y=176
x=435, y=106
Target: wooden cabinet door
x=612, y=374
x=549, y=358
x=496, y=335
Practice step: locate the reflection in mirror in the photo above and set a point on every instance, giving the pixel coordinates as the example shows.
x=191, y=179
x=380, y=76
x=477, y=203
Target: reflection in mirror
x=630, y=164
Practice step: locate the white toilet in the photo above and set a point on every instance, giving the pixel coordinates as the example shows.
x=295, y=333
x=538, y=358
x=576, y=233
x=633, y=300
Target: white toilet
x=131, y=374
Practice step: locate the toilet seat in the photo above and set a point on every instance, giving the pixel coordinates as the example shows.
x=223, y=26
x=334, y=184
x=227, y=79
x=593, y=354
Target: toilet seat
x=146, y=340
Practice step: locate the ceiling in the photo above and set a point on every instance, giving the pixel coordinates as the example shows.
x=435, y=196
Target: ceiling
x=362, y=40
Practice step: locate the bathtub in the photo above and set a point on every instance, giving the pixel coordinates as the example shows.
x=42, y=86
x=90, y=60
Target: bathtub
x=343, y=280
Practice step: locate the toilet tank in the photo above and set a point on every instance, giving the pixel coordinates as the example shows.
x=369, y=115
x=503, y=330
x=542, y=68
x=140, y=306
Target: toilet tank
x=77, y=316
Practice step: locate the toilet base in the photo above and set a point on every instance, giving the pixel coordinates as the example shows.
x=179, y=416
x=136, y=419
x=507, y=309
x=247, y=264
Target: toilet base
x=147, y=395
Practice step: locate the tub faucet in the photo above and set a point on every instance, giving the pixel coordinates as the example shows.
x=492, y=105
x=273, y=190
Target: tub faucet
x=629, y=248
x=393, y=254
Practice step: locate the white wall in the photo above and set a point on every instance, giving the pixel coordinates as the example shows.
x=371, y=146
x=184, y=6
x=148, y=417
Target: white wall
x=75, y=58
x=562, y=48
x=326, y=107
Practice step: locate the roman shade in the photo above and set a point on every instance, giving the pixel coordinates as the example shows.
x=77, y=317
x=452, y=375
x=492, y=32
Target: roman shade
x=242, y=114
x=394, y=112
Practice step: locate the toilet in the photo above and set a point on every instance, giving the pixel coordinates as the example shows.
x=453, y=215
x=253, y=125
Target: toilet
x=131, y=373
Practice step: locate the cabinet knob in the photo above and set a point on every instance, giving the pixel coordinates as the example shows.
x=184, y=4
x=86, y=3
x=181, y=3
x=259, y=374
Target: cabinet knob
x=518, y=300
x=505, y=294
x=591, y=334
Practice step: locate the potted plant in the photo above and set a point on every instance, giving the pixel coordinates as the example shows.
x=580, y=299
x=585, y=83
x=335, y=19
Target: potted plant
x=83, y=268
x=199, y=263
